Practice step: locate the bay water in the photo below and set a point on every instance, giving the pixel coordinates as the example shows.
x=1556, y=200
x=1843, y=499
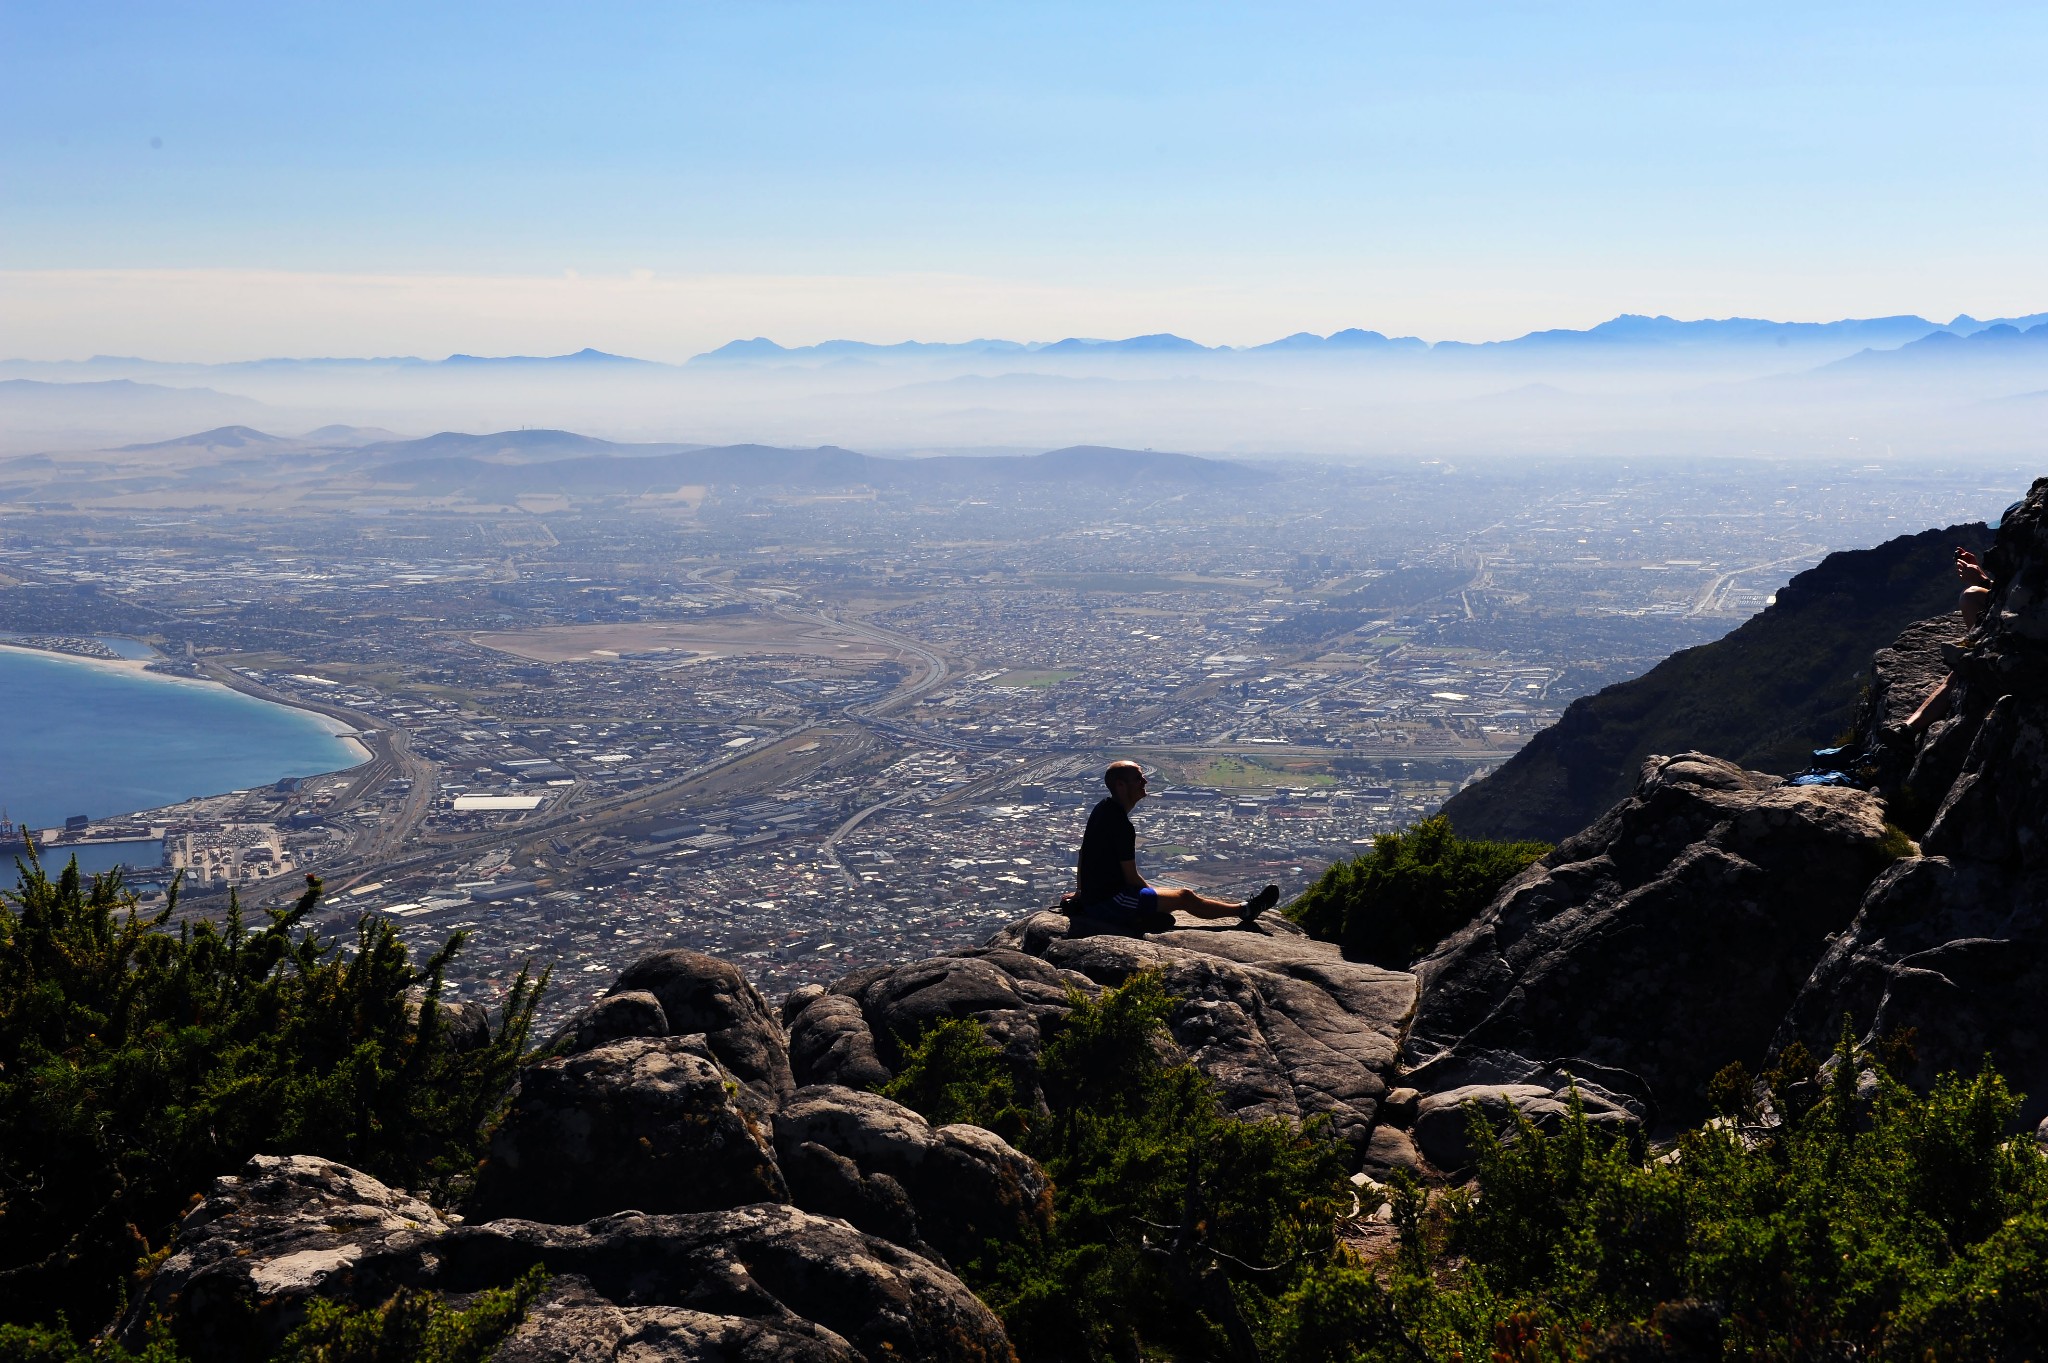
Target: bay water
x=84, y=737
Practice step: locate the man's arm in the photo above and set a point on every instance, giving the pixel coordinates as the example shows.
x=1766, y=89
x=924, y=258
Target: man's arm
x=1131, y=876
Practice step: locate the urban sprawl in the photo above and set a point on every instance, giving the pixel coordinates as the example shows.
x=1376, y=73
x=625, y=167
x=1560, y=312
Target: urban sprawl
x=818, y=732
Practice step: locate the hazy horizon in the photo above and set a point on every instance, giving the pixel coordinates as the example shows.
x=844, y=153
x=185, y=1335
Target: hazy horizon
x=240, y=181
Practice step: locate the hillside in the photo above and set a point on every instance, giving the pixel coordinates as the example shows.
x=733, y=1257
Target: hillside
x=1763, y=697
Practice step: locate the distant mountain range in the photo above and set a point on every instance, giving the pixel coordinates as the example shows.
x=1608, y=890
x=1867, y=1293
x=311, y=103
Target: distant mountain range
x=1629, y=331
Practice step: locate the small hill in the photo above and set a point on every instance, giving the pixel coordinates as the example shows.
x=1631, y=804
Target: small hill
x=220, y=438
x=514, y=463
x=351, y=436
x=1785, y=682
x=509, y=447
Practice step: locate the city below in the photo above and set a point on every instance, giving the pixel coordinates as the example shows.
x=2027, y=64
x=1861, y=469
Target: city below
x=815, y=730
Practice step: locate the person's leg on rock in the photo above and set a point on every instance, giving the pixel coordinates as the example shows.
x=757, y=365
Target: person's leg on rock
x=1202, y=906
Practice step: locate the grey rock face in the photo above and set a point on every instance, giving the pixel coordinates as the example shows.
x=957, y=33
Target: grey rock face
x=753, y=1283
x=702, y=994
x=796, y=1000
x=611, y=1018
x=264, y=1243
x=830, y=1042
x=648, y=1124
x=1443, y=1130
x=1954, y=945
x=1284, y=1025
x=944, y=1191
x=1907, y=671
x=573, y=1322
x=773, y=1280
x=1665, y=940
x=468, y=1025
x=854, y=1034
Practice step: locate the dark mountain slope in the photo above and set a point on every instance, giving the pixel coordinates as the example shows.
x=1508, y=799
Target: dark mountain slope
x=1785, y=682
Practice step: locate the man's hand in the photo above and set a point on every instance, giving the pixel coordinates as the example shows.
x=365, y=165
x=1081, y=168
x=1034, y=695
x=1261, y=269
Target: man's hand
x=1969, y=571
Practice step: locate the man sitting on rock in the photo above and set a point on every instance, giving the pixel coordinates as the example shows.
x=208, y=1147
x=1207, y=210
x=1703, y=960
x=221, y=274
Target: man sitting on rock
x=1111, y=891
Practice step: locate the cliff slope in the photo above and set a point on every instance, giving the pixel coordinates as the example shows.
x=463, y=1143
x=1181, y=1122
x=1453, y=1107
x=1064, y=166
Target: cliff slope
x=1785, y=682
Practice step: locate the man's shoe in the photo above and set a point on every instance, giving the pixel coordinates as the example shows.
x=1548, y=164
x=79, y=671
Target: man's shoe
x=1260, y=902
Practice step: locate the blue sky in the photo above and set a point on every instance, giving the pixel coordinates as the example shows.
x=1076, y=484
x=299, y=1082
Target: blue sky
x=273, y=175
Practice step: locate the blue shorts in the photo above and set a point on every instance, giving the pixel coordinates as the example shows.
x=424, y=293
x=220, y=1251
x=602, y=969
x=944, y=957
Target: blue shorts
x=1132, y=911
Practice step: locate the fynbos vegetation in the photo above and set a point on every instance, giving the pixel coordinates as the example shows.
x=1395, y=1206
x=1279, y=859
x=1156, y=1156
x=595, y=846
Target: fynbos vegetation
x=1411, y=891
x=138, y=1062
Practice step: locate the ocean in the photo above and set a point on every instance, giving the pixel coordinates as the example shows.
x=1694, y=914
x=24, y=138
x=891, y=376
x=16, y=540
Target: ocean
x=94, y=738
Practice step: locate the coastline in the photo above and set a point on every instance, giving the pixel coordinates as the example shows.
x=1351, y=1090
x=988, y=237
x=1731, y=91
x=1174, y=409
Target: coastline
x=129, y=665
x=183, y=761
x=337, y=728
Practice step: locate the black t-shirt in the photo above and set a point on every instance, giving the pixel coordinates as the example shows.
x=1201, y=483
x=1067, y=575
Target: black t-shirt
x=1108, y=842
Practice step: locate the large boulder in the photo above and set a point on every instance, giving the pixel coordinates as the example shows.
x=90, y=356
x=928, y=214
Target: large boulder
x=1664, y=941
x=855, y=1033
x=702, y=995
x=614, y=1017
x=942, y=1191
x=252, y=1255
x=757, y=1283
x=573, y=1321
x=767, y=1282
x=645, y=1124
x=1284, y=1025
x=1951, y=948
x=1500, y=1085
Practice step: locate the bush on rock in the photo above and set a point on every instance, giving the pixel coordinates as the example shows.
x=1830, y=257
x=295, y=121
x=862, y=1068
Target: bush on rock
x=1394, y=903
x=138, y=1062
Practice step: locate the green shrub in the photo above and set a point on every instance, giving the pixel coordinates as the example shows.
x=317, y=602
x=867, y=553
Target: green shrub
x=954, y=1073
x=1894, y=1226
x=1824, y=1223
x=1394, y=903
x=138, y=1063
x=56, y=1344
x=1176, y=1228
x=413, y=1327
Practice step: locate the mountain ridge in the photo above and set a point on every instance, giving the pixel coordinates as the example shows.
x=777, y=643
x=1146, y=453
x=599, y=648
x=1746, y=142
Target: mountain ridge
x=1781, y=684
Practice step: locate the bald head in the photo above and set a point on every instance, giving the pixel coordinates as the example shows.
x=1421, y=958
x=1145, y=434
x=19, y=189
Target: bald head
x=1126, y=781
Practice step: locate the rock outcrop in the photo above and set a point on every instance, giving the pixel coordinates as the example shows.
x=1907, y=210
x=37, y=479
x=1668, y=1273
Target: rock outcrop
x=943, y=1191
x=1665, y=940
x=703, y=996
x=758, y=1283
x=1284, y=1025
x=645, y=1124
x=1952, y=947
x=252, y=1255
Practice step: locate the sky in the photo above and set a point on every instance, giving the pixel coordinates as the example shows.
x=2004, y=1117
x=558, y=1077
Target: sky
x=225, y=181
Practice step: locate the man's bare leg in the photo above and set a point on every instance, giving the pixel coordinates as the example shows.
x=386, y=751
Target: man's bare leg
x=1202, y=906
